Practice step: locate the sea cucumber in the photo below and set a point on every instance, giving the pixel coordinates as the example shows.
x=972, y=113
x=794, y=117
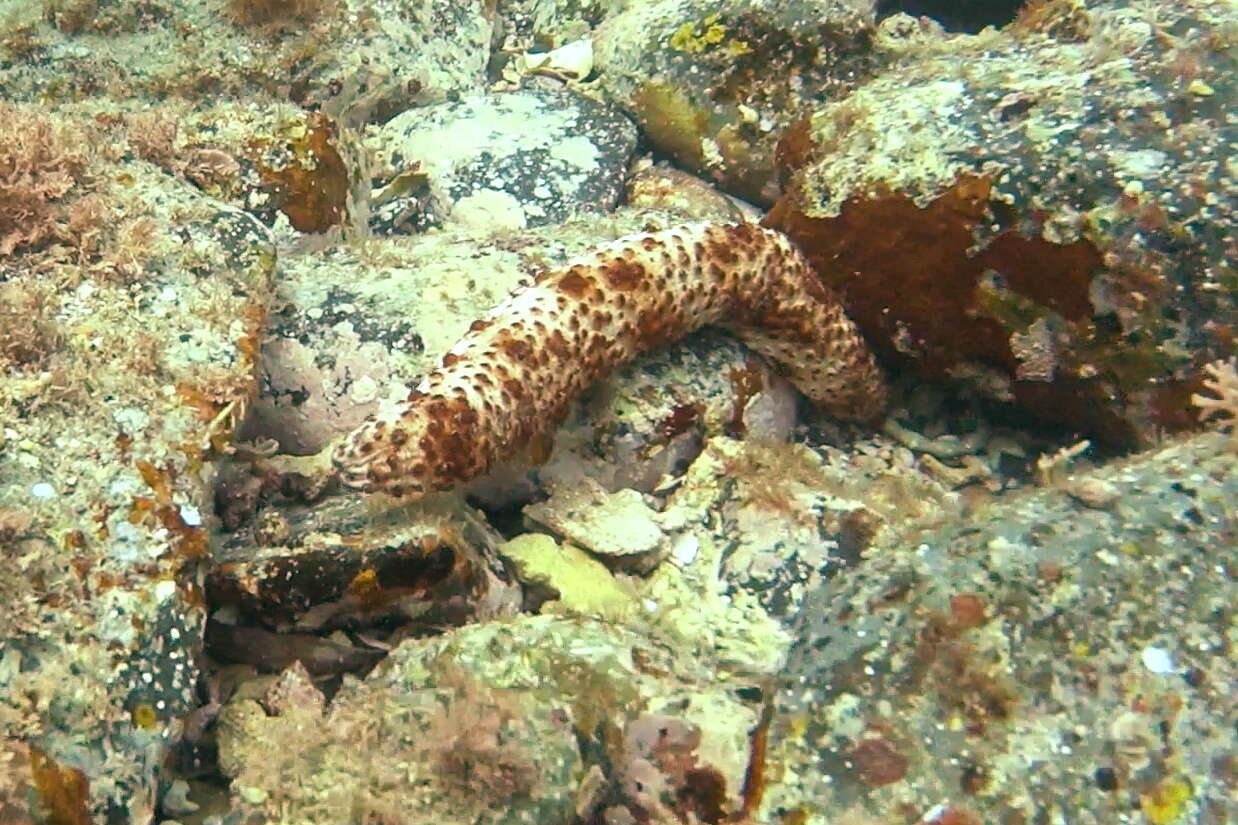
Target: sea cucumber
x=514, y=373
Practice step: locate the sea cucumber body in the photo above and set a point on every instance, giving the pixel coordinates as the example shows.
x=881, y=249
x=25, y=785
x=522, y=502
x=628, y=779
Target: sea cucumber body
x=514, y=374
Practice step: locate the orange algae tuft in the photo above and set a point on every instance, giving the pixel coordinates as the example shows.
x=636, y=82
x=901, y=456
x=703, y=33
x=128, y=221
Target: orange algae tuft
x=310, y=186
x=63, y=793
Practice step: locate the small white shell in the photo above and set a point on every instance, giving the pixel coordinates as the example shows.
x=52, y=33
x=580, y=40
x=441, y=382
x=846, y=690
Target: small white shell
x=571, y=61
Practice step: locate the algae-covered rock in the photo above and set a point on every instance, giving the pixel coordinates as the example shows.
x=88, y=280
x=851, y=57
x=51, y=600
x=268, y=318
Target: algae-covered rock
x=579, y=583
x=143, y=304
x=619, y=527
x=1044, y=212
x=533, y=720
x=340, y=55
x=1041, y=658
x=713, y=84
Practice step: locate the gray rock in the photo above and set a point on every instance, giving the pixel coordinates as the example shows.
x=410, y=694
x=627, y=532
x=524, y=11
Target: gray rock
x=619, y=527
x=526, y=158
x=1075, y=655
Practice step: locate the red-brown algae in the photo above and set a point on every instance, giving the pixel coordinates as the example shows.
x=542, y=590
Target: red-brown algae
x=967, y=610
x=878, y=762
x=1046, y=246
x=622, y=299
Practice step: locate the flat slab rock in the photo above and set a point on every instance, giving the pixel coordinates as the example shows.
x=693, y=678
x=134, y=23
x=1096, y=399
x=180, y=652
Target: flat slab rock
x=618, y=525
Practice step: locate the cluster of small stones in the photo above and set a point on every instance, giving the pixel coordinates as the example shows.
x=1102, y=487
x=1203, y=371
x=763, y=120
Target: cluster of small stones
x=512, y=377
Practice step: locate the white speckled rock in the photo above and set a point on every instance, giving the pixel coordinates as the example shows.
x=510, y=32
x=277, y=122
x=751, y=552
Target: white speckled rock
x=519, y=159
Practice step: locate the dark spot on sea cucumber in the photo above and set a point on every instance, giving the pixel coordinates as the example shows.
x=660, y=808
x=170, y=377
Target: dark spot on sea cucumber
x=723, y=252
x=573, y=283
x=623, y=275
x=557, y=345
x=515, y=348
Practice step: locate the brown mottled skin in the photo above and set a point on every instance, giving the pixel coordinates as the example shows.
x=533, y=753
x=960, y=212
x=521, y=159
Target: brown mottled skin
x=513, y=375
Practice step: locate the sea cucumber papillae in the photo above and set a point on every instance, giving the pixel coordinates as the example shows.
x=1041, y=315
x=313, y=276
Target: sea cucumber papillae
x=513, y=375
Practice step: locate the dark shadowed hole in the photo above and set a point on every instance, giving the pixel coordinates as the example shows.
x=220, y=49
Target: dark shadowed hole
x=955, y=15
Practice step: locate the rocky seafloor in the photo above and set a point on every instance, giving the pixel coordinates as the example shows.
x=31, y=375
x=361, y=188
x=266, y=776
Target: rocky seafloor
x=230, y=230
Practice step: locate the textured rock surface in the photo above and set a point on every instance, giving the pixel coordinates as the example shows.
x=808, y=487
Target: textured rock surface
x=137, y=357
x=619, y=526
x=347, y=57
x=1040, y=658
x=524, y=158
x=1054, y=202
x=549, y=22
x=578, y=583
x=485, y=725
x=712, y=84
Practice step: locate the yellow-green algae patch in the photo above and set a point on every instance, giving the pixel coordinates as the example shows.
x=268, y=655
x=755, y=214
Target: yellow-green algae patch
x=583, y=584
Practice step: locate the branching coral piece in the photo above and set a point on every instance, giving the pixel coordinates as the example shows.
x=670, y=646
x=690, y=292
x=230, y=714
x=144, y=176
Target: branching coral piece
x=513, y=375
x=1222, y=382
